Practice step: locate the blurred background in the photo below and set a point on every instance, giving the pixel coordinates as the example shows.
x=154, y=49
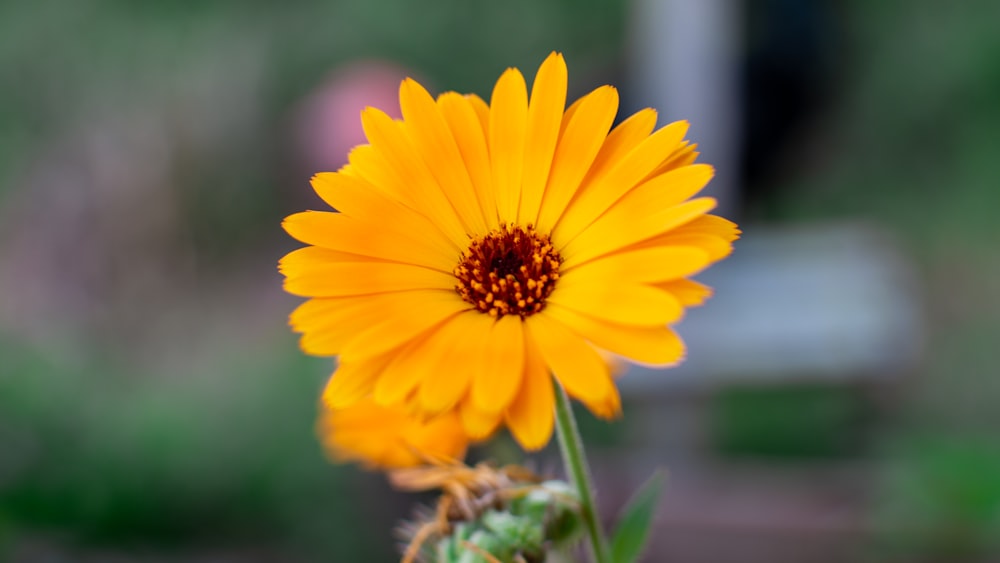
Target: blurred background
x=840, y=403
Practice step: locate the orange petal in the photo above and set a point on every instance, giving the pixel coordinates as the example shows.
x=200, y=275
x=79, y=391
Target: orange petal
x=628, y=222
x=391, y=140
x=578, y=144
x=450, y=359
x=339, y=279
x=478, y=424
x=654, y=346
x=465, y=126
x=545, y=110
x=531, y=417
x=647, y=265
x=622, y=303
x=495, y=386
x=689, y=293
x=352, y=382
x=399, y=325
x=577, y=366
x=355, y=197
x=432, y=140
x=508, y=125
x=345, y=234
x=604, y=190
x=621, y=140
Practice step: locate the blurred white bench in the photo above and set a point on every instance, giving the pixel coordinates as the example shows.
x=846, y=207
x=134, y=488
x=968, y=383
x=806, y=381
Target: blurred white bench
x=830, y=303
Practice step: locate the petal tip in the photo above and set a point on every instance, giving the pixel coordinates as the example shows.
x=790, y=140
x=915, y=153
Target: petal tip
x=533, y=443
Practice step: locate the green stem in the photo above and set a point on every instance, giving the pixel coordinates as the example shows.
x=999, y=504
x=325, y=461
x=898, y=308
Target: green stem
x=576, y=466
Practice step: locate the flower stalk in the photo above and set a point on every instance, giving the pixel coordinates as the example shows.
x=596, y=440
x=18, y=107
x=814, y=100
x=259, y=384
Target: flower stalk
x=575, y=460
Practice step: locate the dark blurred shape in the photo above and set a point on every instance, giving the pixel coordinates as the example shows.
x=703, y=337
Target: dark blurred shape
x=788, y=78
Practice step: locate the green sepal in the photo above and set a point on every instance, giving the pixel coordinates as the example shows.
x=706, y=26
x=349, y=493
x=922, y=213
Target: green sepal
x=488, y=543
x=521, y=533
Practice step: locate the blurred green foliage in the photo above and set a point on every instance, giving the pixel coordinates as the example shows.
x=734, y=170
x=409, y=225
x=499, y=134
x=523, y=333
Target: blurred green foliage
x=945, y=499
x=174, y=462
x=794, y=422
x=57, y=59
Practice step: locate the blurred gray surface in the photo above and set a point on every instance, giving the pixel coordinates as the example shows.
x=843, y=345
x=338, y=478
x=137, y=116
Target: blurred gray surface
x=818, y=302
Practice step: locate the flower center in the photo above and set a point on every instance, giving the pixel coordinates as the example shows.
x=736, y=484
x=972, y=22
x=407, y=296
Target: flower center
x=508, y=271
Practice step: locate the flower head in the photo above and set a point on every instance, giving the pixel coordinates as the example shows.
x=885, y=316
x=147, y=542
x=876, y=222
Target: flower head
x=479, y=250
x=389, y=437
x=500, y=514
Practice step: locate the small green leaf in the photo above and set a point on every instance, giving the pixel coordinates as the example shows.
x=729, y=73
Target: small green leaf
x=633, y=525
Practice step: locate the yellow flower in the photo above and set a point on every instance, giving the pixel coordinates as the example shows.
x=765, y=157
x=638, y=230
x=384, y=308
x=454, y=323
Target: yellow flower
x=480, y=249
x=390, y=437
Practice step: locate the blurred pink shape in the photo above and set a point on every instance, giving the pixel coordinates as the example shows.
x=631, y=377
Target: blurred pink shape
x=328, y=123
